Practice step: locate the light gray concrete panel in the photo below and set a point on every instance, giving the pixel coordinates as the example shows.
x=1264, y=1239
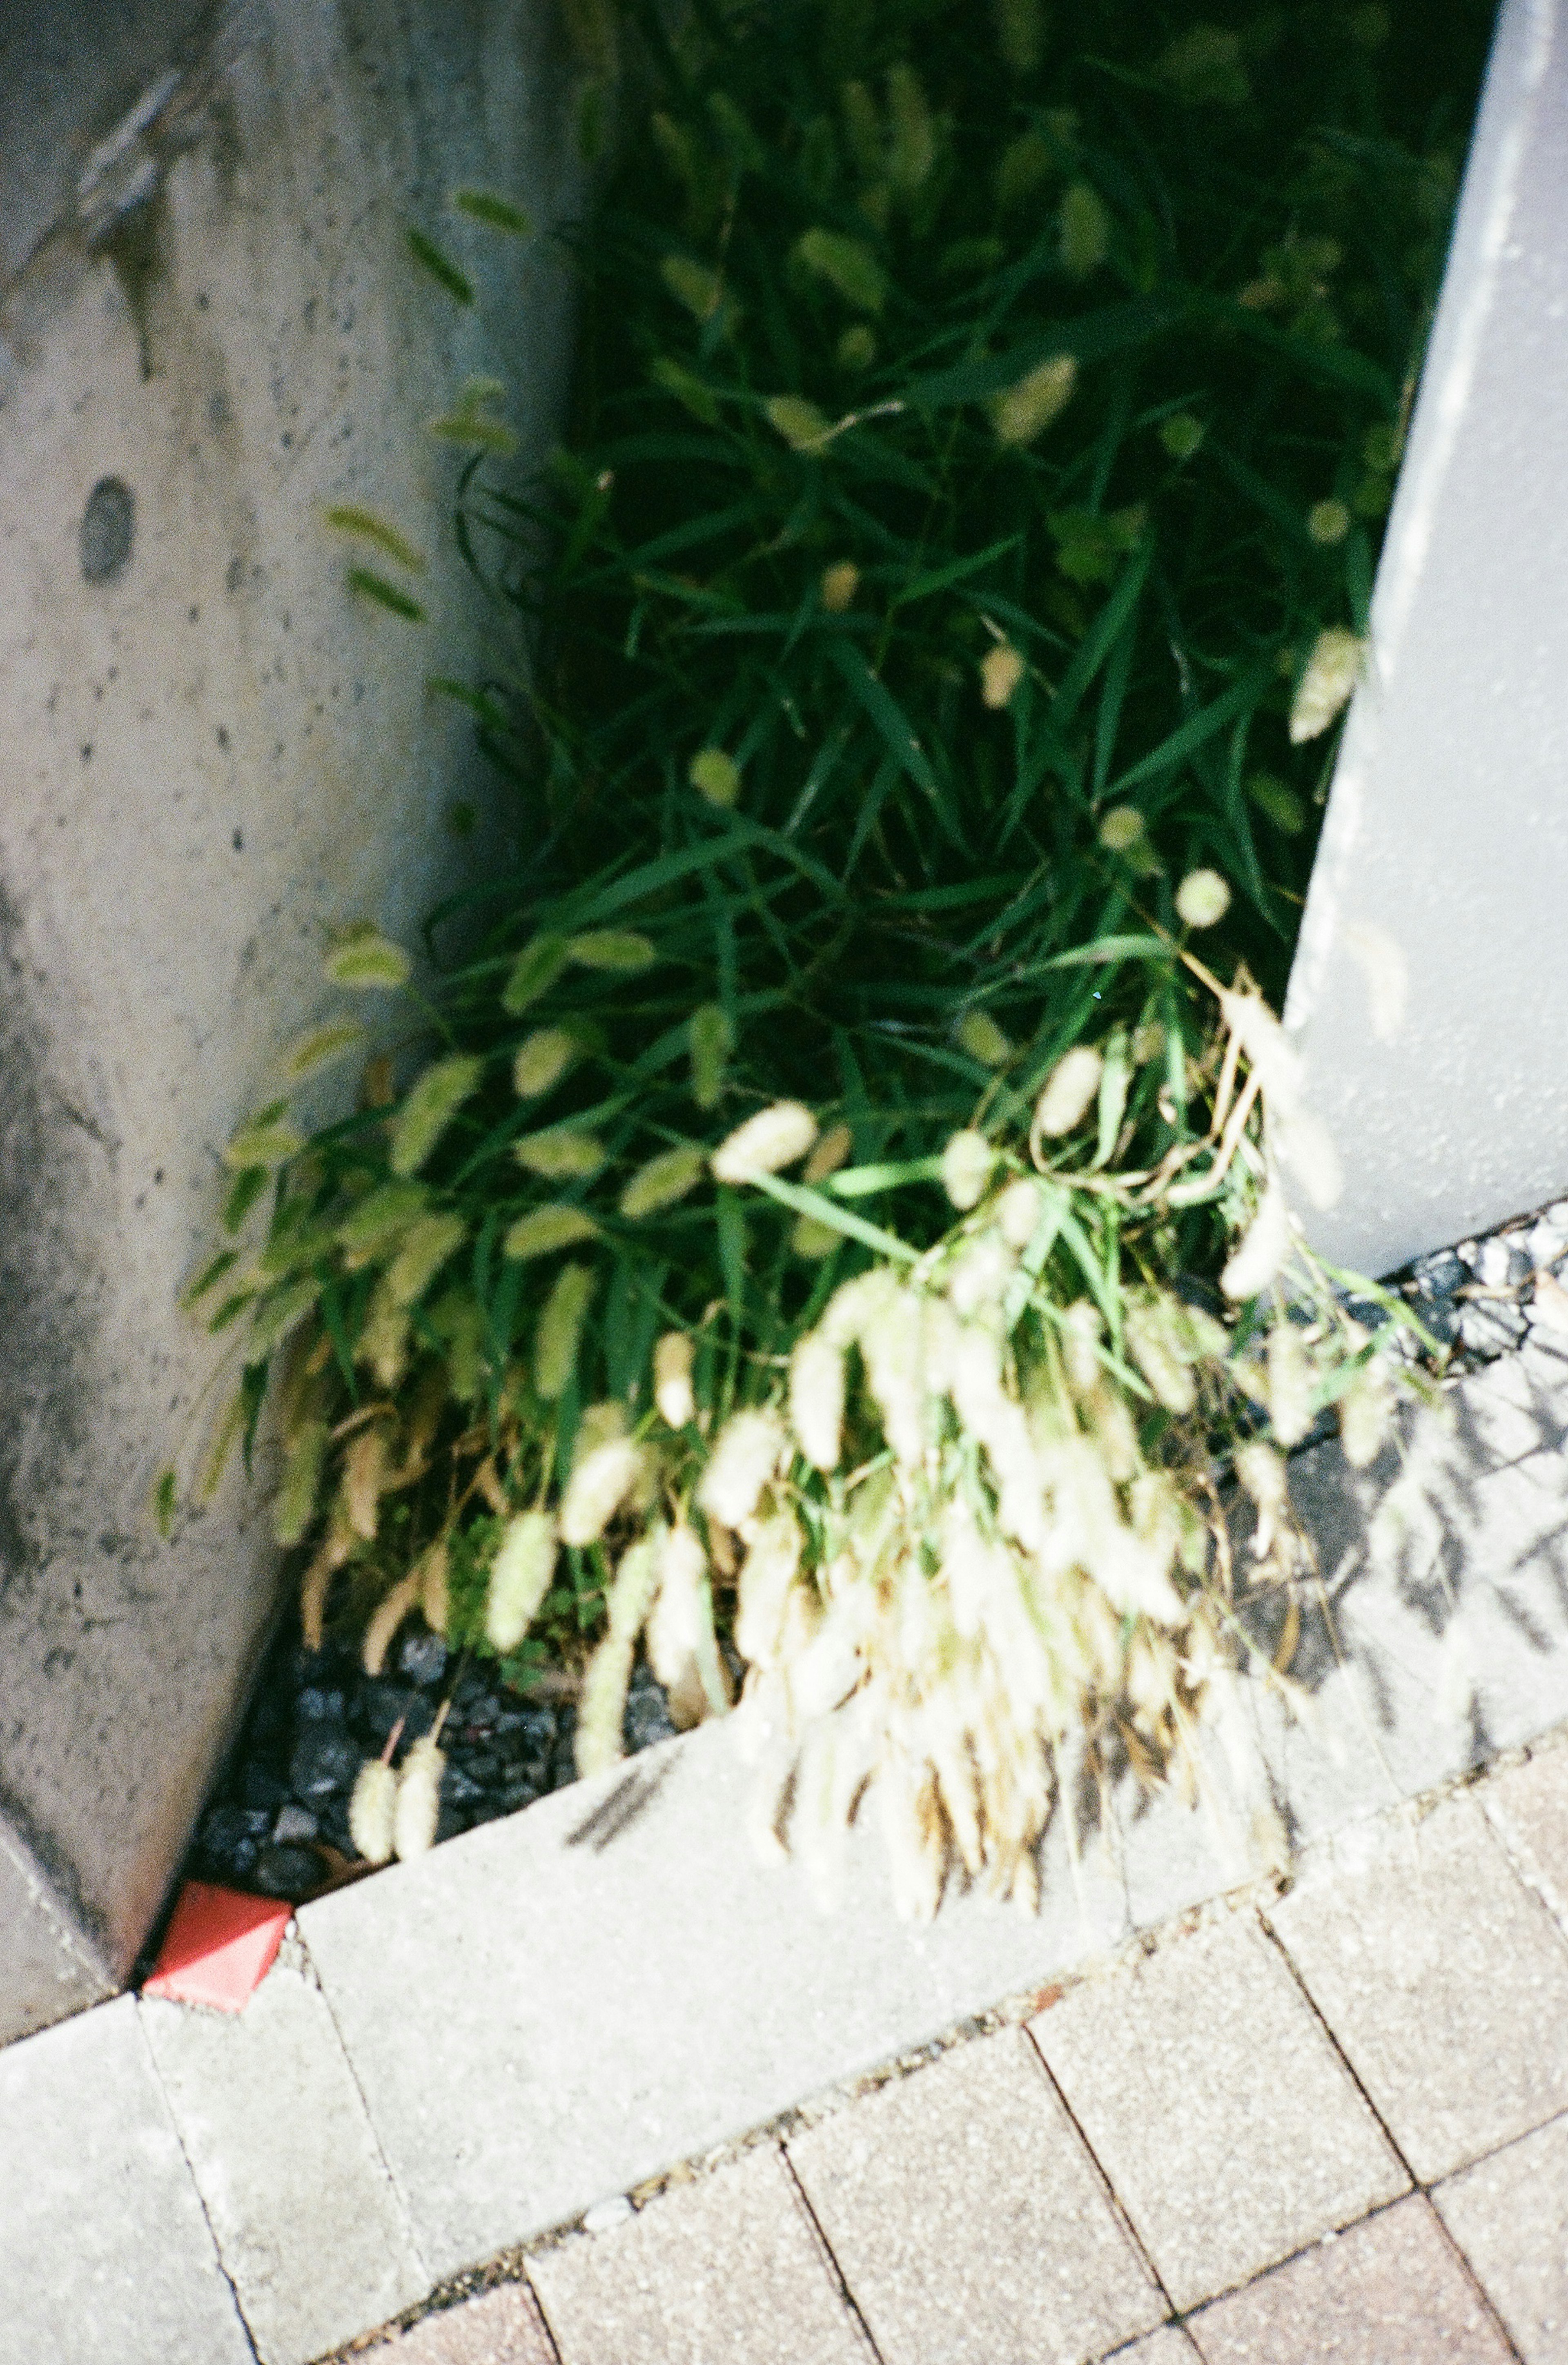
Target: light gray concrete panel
x=1439, y=882
x=1443, y=1980
x=105, y=2252
x=1226, y=2124
x=213, y=756
x=968, y=2220
x=309, y=2230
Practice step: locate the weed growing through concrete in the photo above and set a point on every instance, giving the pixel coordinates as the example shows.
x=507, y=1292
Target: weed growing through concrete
x=834, y=1207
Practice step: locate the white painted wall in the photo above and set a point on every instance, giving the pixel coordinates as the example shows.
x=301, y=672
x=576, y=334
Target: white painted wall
x=1430, y=989
x=206, y=760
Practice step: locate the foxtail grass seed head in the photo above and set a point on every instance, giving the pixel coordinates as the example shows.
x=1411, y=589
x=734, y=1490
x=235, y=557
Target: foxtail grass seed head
x=1261, y=1470
x=1327, y=522
x=1084, y=230
x=1331, y=673
x=268, y=1141
x=520, y=1578
x=695, y=284
x=1202, y=899
x=848, y=264
x=623, y=952
x=767, y=1577
x=967, y=1163
x=317, y=1050
x=673, y=1359
x=1036, y=402
x=425, y=1246
x=1289, y=1384
x=775, y=1138
x=373, y=1811
x=708, y=1033
x=802, y=426
x=1120, y=829
x=816, y=1399
x=1018, y=1213
x=365, y=1478
x=367, y=962
x=669, y=1176
x=715, y=776
x=839, y=584
x=1001, y=670
x=1260, y=1256
x=295, y=1507
x=636, y=1582
x=533, y=972
x=680, y=1623
x=745, y=1457
x=1366, y=1415
x=542, y=1060
x=857, y=348
x=418, y=1809
x=599, y=1741
x=1020, y=33
x=390, y=1615
x=546, y=1229
x=979, y=1034
x=430, y=1108
x=559, y=1329
x=434, y=1596
x=561, y=1155
x=599, y=1484
x=1182, y=435
x=1071, y=1090
x=812, y=1239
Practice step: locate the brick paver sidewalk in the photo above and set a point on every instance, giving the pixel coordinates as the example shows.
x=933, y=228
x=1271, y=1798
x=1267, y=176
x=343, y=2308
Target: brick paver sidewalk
x=1327, y=2124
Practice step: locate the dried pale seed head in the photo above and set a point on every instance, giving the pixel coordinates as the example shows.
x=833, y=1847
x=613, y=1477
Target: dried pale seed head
x=1001, y=670
x=559, y=1328
x=745, y=1455
x=390, y=1615
x=1331, y=673
x=425, y=1246
x=373, y=1811
x=434, y=1600
x=365, y=1478
x=636, y=1583
x=968, y=1163
x=520, y=1578
x=599, y=1741
x=1289, y=1381
x=978, y=1275
x=294, y=1506
x=673, y=1359
x=1261, y=1471
x=816, y=1399
x=680, y=1612
x=598, y=1424
x=978, y=1035
x=600, y=1482
x=775, y=1138
x=1366, y=1415
x=1270, y=1052
x=768, y=1576
x=1069, y=1091
x=667, y=1177
x=1259, y=1257
x=418, y=1809
x=1018, y=1213
x=1082, y=1331
x=1202, y=899
x=839, y=584
x=834, y=1149
x=542, y=1060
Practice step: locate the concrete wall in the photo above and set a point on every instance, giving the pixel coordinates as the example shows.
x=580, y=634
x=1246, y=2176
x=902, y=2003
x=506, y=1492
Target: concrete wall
x=1431, y=982
x=211, y=753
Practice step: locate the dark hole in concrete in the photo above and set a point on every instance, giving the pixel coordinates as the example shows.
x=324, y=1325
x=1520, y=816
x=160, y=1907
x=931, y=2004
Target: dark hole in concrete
x=109, y=529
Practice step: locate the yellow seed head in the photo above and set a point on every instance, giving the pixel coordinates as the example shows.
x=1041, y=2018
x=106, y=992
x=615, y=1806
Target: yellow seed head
x=542, y=1060
x=775, y=1138
x=839, y=585
x=1203, y=899
x=418, y=1810
x=715, y=776
x=559, y=1328
x=967, y=1165
x=520, y=1578
x=667, y=1178
x=1070, y=1091
x=1027, y=409
x=1001, y=670
x=673, y=1359
x=373, y=1811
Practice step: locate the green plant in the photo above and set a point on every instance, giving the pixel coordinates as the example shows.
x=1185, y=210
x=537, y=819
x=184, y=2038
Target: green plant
x=958, y=556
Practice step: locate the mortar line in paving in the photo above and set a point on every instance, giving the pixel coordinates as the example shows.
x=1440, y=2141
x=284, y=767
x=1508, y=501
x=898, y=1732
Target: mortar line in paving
x=1416, y=2186
x=151, y=2059
x=294, y=1936
x=1112, y=2197
x=841, y=2280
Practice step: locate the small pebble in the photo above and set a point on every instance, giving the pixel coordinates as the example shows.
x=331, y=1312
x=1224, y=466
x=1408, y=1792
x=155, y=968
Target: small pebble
x=1439, y=1275
x=295, y=1823
x=1491, y=1327
x=423, y=1658
x=324, y=1760
x=289, y=1871
x=1502, y=1262
x=315, y=1706
x=605, y=2215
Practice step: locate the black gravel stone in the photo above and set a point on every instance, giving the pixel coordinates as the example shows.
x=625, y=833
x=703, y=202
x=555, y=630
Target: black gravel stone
x=423, y=1658
x=286, y=1870
x=295, y=1823
x=262, y=1788
x=563, y=1757
x=1440, y=1275
x=458, y=1788
x=227, y=1830
x=316, y=1705
x=452, y=1819
x=379, y=1706
x=325, y=1759
x=647, y=1716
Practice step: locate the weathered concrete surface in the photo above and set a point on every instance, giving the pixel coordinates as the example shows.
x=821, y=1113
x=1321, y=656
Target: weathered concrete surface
x=209, y=329
x=1430, y=979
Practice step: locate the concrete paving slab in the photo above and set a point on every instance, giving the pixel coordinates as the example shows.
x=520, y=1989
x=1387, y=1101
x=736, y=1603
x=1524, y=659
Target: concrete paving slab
x=1509, y=2215
x=310, y=2231
x=1444, y=1980
x=1169, y=2346
x=1389, y=2291
x=726, y=2271
x=502, y=2326
x=1228, y=2127
x=105, y=2252
x=968, y=2221
x=1528, y=1808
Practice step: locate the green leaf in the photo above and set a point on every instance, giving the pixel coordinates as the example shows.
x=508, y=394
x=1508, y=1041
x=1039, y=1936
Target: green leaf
x=442, y=269
x=496, y=213
x=382, y=594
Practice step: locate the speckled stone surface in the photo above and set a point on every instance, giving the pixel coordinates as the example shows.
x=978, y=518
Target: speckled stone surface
x=1444, y=1980
x=1228, y=2127
x=502, y=2326
x=968, y=2219
x=1529, y=1806
x=1509, y=2215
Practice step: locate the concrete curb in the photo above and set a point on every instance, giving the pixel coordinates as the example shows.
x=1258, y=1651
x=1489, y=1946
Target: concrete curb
x=471, y=2050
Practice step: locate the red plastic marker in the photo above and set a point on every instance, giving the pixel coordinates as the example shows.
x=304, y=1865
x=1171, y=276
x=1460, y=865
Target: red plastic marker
x=218, y=1946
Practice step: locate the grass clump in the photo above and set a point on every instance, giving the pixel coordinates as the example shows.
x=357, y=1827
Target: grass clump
x=830, y=1205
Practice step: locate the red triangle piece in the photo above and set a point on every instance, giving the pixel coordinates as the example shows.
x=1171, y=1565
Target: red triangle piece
x=218, y=1946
